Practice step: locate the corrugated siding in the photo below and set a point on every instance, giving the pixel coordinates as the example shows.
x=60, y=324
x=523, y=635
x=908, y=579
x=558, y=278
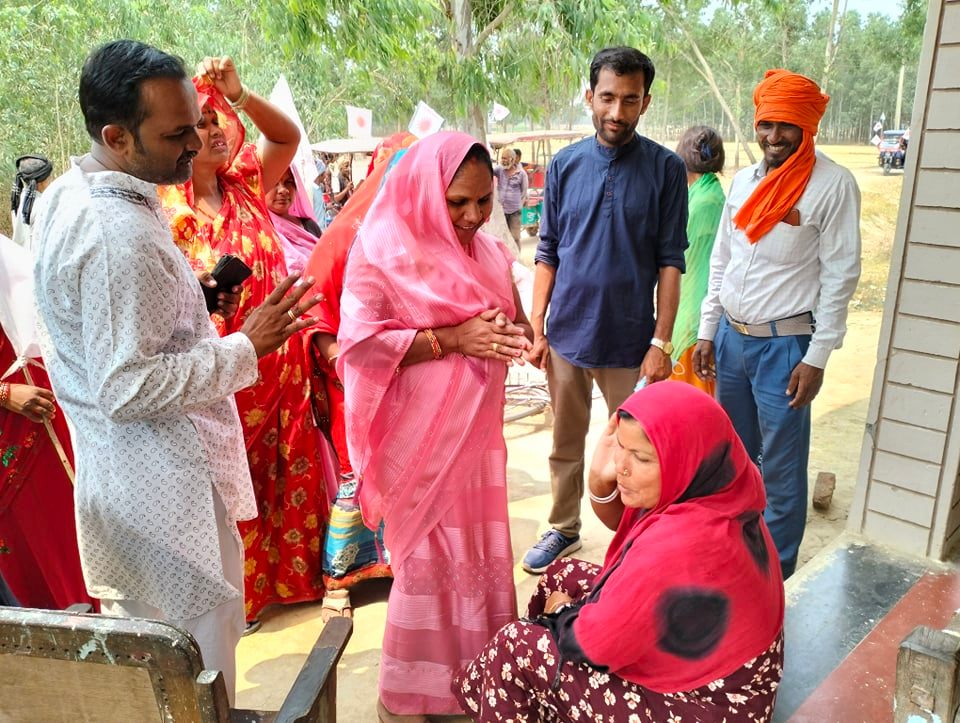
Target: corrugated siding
x=908, y=494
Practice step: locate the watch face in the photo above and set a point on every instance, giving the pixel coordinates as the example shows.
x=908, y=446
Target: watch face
x=668, y=348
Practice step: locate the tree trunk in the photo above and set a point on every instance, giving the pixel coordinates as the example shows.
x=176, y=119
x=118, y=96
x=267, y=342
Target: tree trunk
x=707, y=72
x=462, y=11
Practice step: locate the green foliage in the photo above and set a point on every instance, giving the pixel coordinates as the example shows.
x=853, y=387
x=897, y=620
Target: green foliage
x=459, y=56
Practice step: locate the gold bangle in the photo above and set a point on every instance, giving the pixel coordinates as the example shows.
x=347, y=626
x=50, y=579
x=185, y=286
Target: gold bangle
x=434, y=343
x=240, y=102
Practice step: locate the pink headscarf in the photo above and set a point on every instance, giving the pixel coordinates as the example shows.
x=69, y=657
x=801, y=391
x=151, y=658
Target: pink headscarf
x=415, y=434
x=297, y=241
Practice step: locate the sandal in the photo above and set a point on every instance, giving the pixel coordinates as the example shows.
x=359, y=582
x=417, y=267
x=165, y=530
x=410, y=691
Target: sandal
x=336, y=603
x=251, y=627
x=385, y=716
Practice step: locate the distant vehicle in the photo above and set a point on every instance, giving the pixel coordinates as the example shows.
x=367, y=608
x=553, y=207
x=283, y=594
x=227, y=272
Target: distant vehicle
x=892, y=151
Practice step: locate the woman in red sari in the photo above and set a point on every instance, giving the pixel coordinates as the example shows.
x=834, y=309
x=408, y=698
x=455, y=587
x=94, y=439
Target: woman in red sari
x=352, y=553
x=38, y=537
x=222, y=210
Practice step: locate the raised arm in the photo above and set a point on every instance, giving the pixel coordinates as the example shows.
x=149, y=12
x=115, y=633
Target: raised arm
x=279, y=135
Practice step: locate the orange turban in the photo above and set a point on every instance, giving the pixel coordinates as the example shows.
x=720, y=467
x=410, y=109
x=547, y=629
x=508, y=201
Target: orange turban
x=783, y=97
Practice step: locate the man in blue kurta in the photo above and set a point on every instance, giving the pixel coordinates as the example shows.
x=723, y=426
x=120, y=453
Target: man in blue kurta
x=613, y=231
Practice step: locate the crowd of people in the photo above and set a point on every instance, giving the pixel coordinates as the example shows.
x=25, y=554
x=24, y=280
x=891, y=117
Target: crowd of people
x=338, y=416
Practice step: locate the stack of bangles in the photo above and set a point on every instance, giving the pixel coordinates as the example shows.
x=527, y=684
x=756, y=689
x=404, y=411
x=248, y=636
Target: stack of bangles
x=604, y=500
x=4, y=393
x=240, y=102
x=434, y=344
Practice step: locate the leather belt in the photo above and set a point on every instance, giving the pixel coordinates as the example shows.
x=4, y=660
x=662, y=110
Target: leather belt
x=799, y=325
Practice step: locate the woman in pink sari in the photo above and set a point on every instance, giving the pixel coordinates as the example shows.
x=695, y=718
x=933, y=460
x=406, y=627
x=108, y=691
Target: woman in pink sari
x=430, y=320
x=293, y=218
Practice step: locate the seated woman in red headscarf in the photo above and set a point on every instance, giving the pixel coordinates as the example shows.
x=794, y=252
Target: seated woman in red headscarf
x=222, y=210
x=684, y=620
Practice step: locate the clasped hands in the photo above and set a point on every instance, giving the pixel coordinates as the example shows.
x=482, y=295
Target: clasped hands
x=492, y=335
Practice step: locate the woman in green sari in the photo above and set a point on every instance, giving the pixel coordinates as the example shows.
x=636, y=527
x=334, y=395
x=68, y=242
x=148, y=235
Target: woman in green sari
x=701, y=149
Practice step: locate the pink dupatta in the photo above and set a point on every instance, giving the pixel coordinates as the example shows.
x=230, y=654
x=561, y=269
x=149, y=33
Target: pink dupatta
x=415, y=434
x=297, y=241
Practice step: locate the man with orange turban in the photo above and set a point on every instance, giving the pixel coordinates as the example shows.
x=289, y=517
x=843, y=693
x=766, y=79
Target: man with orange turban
x=785, y=263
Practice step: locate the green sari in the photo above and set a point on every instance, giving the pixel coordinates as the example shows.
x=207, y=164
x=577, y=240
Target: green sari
x=705, y=201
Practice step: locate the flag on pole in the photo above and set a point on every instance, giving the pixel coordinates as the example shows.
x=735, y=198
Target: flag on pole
x=425, y=121
x=499, y=112
x=359, y=122
x=281, y=97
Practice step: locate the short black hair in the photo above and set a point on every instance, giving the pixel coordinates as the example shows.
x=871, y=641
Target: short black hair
x=110, y=83
x=622, y=60
x=477, y=152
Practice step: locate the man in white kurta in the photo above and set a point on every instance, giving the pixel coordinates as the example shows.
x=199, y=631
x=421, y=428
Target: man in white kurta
x=162, y=474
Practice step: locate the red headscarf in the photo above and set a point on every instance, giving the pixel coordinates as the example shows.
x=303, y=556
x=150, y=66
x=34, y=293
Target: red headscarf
x=783, y=97
x=329, y=256
x=691, y=589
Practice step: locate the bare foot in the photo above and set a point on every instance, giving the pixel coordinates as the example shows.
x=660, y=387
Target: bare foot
x=388, y=717
x=336, y=603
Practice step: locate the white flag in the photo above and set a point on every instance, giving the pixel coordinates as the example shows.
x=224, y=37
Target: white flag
x=281, y=97
x=499, y=112
x=359, y=122
x=425, y=121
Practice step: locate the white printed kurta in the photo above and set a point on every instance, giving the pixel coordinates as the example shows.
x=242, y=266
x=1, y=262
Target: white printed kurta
x=148, y=386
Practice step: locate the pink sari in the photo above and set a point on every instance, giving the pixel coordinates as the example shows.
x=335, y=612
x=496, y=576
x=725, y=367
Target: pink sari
x=297, y=241
x=427, y=440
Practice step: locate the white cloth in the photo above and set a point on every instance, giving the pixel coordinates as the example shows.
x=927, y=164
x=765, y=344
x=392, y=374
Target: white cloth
x=218, y=631
x=21, y=229
x=793, y=269
x=139, y=369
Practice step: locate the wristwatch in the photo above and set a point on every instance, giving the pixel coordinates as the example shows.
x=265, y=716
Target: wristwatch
x=665, y=346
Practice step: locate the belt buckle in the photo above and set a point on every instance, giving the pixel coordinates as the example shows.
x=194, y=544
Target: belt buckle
x=742, y=328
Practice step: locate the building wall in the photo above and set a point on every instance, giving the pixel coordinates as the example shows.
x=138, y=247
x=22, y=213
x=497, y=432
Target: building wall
x=908, y=494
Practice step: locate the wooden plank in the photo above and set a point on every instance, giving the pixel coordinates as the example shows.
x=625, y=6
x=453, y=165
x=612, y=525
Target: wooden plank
x=946, y=72
x=918, y=407
x=935, y=301
x=937, y=188
x=84, y=692
x=900, y=534
x=929, y=336
x=904, y=504
x=923, y=477
x=935, y=226
x=922, y=371
x=939, y=264
x=909, y=441
x=941, y=149
x=950, y=26
x=927, y=683
x=943, y=110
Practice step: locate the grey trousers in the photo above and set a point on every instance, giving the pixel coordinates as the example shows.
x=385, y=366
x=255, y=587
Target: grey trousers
x=571, y=390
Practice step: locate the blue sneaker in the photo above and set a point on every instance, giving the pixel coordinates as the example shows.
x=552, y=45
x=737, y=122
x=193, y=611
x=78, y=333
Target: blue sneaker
x=551, y=546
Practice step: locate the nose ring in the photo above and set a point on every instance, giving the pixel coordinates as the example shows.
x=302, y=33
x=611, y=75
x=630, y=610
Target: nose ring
x=625, y=473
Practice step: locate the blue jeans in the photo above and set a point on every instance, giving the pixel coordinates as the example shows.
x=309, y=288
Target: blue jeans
x=752, y=377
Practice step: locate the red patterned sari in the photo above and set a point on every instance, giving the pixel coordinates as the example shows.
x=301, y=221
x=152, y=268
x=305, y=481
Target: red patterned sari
x=38, y=536
x=292, y=465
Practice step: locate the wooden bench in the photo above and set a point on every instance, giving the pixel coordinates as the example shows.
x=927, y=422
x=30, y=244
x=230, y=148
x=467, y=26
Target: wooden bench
x=59, y=666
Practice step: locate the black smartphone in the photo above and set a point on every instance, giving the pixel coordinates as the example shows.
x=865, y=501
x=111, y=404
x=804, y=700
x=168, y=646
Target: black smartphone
x=230, y=271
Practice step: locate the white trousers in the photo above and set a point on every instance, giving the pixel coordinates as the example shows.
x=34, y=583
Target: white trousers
x=218, y=631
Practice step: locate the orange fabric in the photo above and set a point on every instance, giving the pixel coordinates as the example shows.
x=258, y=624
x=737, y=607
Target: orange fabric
x=326, y=264
x=783, y=97
x=291, y=463
x=683, y=372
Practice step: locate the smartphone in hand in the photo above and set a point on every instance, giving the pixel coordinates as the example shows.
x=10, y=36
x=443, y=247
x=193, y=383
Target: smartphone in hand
x=230, y=271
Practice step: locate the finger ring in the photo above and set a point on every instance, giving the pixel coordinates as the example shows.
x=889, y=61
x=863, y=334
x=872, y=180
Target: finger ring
x=291, y=314
x=495, y=347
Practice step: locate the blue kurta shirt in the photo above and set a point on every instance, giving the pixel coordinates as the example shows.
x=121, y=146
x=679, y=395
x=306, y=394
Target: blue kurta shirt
x=612, y=217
